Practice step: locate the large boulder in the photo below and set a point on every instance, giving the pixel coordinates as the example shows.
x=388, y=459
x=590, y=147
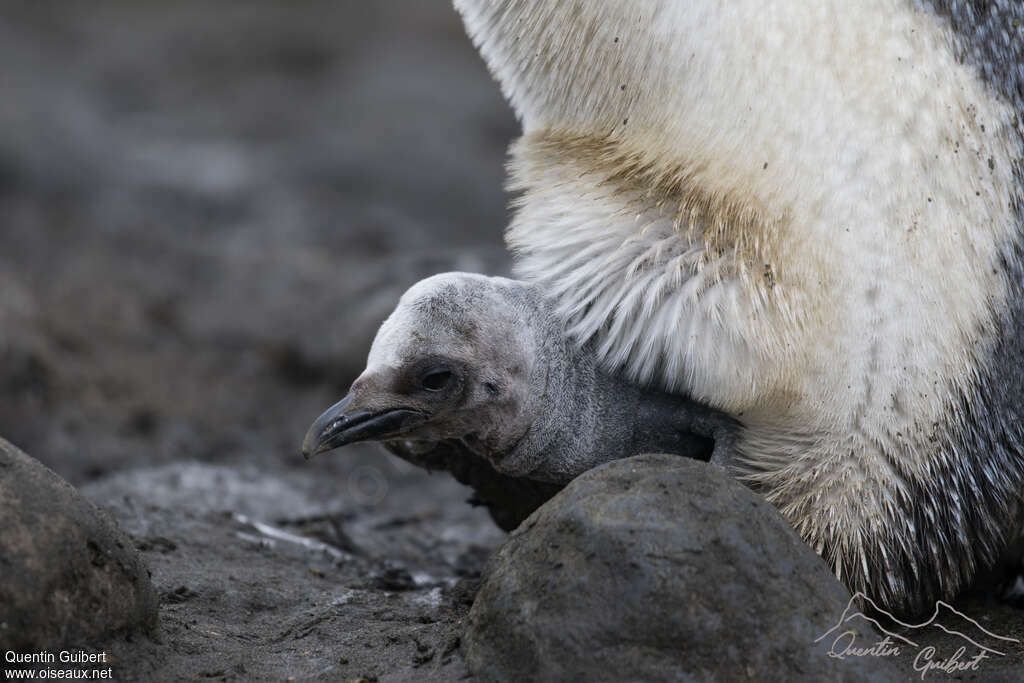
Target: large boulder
x=68, y=574
x=659, y=568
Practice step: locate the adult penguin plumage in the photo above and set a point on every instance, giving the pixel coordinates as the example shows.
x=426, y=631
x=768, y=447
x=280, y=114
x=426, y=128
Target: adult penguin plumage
x=808, y=216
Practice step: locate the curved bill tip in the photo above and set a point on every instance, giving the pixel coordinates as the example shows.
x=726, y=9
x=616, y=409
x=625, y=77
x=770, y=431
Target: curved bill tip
x=309, y=445
x=319, y=433
x=338, y=426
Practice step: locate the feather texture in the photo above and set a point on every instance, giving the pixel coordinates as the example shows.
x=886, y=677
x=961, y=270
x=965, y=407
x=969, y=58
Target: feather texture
x=806, y=215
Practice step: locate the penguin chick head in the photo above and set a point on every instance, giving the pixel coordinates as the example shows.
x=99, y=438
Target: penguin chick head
x=455, y=360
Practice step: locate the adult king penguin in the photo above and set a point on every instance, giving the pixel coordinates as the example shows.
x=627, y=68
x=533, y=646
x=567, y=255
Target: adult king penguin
x=804, y=214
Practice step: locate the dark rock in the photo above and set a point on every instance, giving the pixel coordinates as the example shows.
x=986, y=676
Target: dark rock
x=658, y=568
x=393, y=578
x=178, y=595
x=68, y=574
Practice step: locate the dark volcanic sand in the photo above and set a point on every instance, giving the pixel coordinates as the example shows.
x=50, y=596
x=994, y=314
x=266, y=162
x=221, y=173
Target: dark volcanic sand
x=207, y=209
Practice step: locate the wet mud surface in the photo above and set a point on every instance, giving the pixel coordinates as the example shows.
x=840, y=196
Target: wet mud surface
x=205, y=213
x=269, y=577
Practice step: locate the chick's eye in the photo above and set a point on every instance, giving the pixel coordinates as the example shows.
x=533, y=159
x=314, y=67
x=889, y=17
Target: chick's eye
x=437, y=380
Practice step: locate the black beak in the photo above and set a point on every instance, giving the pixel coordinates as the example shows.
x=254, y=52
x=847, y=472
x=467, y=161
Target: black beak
x=339, y=426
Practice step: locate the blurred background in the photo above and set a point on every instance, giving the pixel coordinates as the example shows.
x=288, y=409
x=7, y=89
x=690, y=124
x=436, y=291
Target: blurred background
x=206, y=209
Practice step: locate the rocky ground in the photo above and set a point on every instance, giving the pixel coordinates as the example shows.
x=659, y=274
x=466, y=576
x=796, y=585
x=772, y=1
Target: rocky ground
x=205, y=212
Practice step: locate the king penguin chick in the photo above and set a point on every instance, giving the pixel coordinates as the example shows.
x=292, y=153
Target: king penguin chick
x=480, y=366
x=808, y=216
